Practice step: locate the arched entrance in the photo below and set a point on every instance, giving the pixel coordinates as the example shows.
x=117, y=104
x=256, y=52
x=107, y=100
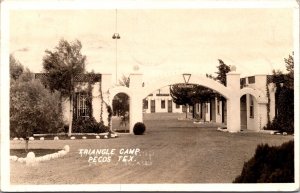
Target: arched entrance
x=137, y=91
x=120, y=113
x=231, y=93
x=253, y=109
x=113, y=92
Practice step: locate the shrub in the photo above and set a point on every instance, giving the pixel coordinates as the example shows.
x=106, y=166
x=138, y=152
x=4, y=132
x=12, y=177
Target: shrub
x=33, y=108
x=139, y=128
x=284, y=120
x=269, y=165
x=88, y=125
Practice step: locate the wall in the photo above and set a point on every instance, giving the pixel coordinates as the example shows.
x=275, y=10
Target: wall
x=260, y=103
x=272, y=90
x=66, y=110
x=252, y=123
x=96, y=102
x=218, y=115
x=207, y=112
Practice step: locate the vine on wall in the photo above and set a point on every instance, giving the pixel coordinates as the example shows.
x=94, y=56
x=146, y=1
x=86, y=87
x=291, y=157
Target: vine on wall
x=101, y=106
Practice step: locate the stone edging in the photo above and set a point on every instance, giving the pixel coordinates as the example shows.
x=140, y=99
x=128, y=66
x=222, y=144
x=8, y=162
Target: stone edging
x=99, y=136
x=32, y=160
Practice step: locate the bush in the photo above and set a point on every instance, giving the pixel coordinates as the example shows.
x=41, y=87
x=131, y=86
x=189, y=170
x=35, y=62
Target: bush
x=280, y=125
x=284, y=120
x=139, y=128
x=269, y=165
x=88, y=125
x=33, y=108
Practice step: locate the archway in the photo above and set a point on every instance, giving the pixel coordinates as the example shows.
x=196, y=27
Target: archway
x=120, y=116
x=120, y=95
x=253, y=109
x=231, y=93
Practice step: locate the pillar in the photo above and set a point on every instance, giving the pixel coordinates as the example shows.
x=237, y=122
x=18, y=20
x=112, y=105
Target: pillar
x=106, y=84
x=233, y=102
x=136, y=100
x=263, y=115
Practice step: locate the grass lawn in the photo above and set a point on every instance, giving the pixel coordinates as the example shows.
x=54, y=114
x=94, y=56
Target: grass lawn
x=172, y=151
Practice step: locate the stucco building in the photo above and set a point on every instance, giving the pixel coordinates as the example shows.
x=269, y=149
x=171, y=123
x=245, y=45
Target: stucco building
x=250, y=101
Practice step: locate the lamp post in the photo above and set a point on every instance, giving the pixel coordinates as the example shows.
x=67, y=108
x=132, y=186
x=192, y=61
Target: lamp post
x=116, y=36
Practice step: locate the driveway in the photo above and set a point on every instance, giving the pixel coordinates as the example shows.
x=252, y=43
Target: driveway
x=171, y=151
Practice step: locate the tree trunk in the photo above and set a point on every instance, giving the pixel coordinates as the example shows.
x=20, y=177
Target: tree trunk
x=70, y=116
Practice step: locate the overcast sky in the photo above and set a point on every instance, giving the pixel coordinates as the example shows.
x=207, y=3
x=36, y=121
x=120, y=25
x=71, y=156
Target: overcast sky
x=160, y=42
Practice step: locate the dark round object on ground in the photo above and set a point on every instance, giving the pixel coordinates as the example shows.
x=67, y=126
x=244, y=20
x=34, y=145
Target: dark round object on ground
x=139, y=128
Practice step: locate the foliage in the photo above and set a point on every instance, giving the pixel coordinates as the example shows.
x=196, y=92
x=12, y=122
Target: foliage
x=121, y=104
x=202, y=94
x=181, y=95
x=289, y=63
x=88, y=125
x=109, y=111
x=139, y=128
x=15, y=67
x=269, y=165
x=223, y=69
x=62, y=65
x=284, y=99
x=191, y=95
x=284, y=120
x=33, y=108
x=124, y=81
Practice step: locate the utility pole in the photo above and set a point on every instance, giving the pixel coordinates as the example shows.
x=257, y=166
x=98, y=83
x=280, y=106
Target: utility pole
x=116, y=36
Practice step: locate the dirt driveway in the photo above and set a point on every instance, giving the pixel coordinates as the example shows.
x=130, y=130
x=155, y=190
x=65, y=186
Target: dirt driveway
x=171, y=151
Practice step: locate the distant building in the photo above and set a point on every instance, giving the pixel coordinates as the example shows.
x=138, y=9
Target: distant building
x=161, y=101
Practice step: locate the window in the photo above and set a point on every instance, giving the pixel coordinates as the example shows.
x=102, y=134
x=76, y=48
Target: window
x=206, y=107
x=82, y=104
x=251, y=79
x=145, y=104
x=251, y=107
x=177, y=106
x=163, y=104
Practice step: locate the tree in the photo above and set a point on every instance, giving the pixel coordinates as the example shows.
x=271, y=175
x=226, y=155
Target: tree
x=223, y=69
x=33, y=108
x=15, y=67
x=62, y=65
x=284, y=98
x=181, y=95
x=289, y=64
x=124, y=81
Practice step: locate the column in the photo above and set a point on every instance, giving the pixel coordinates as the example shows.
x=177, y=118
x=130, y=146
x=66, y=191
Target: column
x=136, y=100
x=106, y=84
x=233, y=103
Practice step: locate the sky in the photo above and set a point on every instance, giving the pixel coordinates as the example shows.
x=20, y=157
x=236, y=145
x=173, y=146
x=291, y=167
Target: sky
x=158, y=42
